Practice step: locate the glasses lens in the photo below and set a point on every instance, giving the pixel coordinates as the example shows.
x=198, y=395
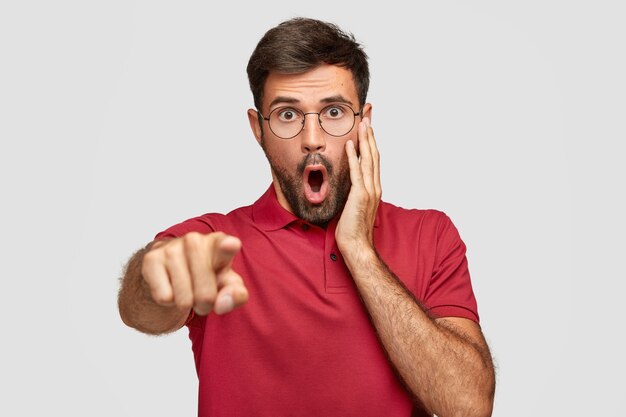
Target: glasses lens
x=337, y=119
x=286, y=122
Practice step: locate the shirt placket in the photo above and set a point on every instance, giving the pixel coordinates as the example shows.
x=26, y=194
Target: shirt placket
x=337, y=276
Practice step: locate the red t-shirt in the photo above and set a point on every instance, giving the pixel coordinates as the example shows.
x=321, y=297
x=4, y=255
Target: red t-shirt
x=303, y=345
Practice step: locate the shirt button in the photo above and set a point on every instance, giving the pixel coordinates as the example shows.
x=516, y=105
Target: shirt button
x=333, y=257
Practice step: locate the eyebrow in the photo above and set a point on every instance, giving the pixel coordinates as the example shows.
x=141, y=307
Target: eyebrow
x=290, y=100
x=284, y=99
x=336, y=99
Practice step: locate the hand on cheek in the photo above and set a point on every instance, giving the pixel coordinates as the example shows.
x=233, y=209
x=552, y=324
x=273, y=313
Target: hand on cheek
x=355, y=228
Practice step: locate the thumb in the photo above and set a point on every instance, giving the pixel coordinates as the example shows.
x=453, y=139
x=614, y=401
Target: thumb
x=225, y=247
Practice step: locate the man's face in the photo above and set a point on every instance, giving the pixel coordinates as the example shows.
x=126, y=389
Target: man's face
x=310, y=171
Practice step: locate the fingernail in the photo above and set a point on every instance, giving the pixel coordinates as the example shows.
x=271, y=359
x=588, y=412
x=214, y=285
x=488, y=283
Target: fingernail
x=224, y=304
x=230, y=240
x=201, y=312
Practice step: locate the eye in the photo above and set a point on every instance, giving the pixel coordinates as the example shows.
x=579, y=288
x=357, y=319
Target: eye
x=333, y=112
x=287, y=114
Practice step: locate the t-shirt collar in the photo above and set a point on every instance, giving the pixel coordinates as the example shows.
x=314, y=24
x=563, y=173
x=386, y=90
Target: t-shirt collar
x=269, y=214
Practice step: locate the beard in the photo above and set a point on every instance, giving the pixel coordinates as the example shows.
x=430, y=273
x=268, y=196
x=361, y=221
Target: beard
x=293, y=189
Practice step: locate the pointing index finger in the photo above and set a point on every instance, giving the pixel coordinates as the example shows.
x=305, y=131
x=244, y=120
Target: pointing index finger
x=225, y=248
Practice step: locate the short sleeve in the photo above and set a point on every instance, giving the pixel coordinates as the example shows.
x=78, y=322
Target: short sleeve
x=449, y=292
x=203, y=224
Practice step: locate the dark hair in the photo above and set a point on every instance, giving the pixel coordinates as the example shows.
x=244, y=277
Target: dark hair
x=299, y=45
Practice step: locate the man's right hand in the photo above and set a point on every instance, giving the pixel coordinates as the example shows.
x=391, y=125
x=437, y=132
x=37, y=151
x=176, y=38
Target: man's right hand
x=195, y=271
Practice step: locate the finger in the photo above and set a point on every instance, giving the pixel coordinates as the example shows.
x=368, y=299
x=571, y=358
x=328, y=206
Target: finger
x=225, y=247
x=366, y=156
x=154, y=273
x=221, y=251
x=356, y=178
x=204, y=292
x=232, y=292
x=178, y=271
x=375, y=158
x=202, y=277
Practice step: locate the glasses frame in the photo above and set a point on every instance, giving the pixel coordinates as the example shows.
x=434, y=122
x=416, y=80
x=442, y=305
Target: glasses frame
x=319, y=120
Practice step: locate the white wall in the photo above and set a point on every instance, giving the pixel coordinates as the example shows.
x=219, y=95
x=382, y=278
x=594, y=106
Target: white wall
x=120, y=118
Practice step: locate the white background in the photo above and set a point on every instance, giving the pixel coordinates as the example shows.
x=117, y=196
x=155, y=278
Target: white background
x=120, y=118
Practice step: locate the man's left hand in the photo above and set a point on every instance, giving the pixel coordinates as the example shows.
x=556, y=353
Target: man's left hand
x=354, y=233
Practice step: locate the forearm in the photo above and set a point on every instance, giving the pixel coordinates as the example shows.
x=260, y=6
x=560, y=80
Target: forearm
x=137, y=307
x=447, y=372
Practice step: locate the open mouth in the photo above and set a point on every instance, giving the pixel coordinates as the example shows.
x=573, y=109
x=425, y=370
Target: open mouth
x=316, y=179
x=315, y=183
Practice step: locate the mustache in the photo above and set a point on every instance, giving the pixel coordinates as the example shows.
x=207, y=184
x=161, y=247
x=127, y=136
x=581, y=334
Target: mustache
x=315, y=159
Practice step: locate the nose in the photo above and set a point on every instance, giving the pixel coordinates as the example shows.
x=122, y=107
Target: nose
x=312, y=137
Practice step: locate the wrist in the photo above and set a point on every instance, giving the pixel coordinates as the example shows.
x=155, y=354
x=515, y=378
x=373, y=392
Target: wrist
x=359, y=256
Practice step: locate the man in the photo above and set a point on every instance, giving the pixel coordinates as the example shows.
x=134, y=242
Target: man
x=318, y=299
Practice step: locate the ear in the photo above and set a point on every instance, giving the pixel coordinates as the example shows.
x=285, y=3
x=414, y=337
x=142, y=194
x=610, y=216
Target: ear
x=367, y=111
x=253, y=119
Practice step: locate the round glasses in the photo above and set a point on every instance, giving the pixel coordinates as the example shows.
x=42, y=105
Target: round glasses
x=287, y=122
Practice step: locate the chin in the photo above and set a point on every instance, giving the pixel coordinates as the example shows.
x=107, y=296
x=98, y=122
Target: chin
x=319, y=214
